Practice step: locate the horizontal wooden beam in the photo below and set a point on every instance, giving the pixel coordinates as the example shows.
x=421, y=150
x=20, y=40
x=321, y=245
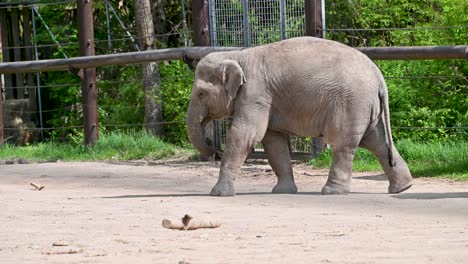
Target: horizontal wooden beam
x=417, y=52
x=378, y=53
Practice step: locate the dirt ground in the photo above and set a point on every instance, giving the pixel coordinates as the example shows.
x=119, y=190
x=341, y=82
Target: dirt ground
x=112, y=213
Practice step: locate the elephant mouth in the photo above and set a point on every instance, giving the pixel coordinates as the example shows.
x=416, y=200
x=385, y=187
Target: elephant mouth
x=205, y=121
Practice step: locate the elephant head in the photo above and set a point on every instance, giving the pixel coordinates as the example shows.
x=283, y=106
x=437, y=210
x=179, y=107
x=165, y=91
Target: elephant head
x=215, y=87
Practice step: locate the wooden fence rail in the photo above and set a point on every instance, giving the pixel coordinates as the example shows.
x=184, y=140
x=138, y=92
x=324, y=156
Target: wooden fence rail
x=377, y=53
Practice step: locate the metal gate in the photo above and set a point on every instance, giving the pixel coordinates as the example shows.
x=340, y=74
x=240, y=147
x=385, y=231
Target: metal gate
x=247, y=23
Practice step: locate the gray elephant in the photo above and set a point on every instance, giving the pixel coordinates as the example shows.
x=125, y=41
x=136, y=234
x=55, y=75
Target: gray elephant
x=302, y=86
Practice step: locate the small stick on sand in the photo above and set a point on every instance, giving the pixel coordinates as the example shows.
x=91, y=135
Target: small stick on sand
x=190, y=223
x=37, y=186
x=63, y=252
x=60, y=243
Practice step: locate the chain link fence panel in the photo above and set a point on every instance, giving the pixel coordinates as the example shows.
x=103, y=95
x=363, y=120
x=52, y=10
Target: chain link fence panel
x=252, y=23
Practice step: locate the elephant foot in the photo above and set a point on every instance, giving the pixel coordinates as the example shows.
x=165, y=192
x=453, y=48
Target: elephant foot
x=334, y=189
x=401, y=181
x=223, y=188
x=285, y=188
x=398, y=188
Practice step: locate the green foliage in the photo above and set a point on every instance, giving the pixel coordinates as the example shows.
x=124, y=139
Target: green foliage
x=363, y=161
x=433, y=103
x=111, y=146
x=121, y=99
x=176, y=90
x=120, y=89
x=414, y=102
x=446, y=159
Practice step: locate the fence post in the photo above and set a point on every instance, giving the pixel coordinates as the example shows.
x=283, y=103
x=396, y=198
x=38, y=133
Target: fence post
x=313, y=27
x=245, y=23
x=5, y=32
x=283, y=18
x=200, y=22
x=88, y=76
x=313, y=18
x=17, y=51
x=202, y=37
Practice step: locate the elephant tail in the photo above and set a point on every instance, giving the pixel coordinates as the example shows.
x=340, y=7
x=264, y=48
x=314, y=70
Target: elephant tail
x=388, y=130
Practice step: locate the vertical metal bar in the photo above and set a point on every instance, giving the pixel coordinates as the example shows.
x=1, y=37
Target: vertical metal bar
x=217, y=128
x=123, y=26
x=204, y=35
x=184, y=24
x=324, y=25
x=212, y=23
x=109, y=37
x=215, y=124
x=17, y=52
x=245, y=23
x=49, y=31
x=314, y=24
x=38, y=77
x=283, y=18
x=28, y=56
x=88, y=81
x=313, y=18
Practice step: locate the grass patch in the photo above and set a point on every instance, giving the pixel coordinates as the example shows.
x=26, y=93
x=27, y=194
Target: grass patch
x=110, y=146
x=434, y=159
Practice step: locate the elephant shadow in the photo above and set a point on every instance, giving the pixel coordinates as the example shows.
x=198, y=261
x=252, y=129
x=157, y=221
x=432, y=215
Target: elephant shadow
x=136, y=196
x=431, y=196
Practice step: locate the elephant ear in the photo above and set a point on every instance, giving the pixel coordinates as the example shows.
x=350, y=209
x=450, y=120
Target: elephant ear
x=192, y=63
x=233, y=78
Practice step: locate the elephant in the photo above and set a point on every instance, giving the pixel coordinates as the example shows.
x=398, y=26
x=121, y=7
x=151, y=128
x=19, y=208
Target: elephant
x=303, y=86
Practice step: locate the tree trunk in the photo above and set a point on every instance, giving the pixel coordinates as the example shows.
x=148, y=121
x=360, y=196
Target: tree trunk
x=159, y=19
x=151, y=78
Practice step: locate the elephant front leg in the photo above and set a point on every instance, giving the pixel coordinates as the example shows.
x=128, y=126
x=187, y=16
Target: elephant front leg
x=277, y=150
x=339, y=177
x=232, y=160
x=240, y=140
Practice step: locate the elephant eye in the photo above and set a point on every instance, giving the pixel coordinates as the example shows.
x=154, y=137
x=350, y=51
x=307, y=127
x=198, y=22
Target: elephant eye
x=201, y=94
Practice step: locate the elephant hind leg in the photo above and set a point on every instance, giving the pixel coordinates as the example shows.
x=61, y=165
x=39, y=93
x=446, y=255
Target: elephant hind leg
x=398, y=175
x=340, y=175
x=277, y=150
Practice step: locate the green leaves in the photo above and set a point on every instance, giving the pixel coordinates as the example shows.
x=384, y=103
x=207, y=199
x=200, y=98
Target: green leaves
x=176, y=88
x=416, y=99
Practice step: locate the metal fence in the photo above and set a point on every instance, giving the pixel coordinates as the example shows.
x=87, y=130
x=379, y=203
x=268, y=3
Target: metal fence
x=249, y=23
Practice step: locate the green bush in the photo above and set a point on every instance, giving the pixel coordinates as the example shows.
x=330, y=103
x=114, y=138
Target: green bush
x=176, y=88
x=442, y=159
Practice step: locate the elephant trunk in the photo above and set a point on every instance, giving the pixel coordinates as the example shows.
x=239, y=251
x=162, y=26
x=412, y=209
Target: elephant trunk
x=196, y=128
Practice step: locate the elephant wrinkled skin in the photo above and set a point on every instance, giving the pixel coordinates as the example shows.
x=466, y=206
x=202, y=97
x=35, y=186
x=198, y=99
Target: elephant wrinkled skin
x=302, y=86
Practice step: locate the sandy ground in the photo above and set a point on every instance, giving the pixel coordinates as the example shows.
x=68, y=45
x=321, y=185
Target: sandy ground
x=112, y=213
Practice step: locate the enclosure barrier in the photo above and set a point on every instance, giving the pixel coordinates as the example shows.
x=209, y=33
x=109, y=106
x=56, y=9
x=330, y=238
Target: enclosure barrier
x=77, y=63
x=377, y=53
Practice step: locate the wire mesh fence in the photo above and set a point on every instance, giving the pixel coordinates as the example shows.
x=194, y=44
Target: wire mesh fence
x=252, y=23
x=249, y=23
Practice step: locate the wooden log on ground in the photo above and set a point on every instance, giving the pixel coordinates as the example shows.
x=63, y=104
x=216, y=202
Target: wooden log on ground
x=190, y=223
